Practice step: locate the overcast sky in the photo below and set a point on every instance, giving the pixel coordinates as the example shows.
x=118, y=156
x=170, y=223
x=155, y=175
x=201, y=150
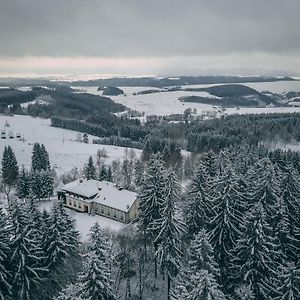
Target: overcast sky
x=159, y=37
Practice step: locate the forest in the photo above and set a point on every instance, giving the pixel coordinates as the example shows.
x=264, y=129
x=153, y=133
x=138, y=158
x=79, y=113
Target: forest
x=231, y=232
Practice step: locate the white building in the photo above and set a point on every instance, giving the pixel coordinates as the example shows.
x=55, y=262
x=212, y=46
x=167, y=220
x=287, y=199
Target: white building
x=100, y=197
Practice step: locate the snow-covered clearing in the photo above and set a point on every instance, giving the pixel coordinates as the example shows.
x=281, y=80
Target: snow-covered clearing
x=84, y=221
x=64, y=151
x=165, y=103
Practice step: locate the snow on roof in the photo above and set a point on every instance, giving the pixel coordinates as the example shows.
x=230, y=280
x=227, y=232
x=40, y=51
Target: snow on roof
x=105, y=192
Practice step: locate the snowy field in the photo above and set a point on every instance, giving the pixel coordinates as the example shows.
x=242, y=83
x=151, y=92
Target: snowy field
x=167, y=102
x=64, y=151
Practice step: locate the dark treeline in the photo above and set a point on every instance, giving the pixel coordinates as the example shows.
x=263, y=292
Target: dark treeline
x=218, y=134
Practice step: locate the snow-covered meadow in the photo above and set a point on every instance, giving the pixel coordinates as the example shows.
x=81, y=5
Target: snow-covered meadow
x=166, y=103
x=64, y=150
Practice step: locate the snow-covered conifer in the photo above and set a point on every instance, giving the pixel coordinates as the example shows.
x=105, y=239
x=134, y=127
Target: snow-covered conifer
x=204, y=286
x=95, y=280
x=256, y=256
x=23, y=184
x=26, y=259
x=4, y=257
x=171, y=229
x=90, y=170
x=289, y=286
x=201, y=255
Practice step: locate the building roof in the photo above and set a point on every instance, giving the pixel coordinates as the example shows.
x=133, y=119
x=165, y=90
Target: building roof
x=103, y=192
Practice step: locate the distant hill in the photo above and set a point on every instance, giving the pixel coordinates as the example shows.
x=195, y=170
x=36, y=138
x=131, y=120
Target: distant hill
x=178, y=81
x=231, y=95
x=142, y=81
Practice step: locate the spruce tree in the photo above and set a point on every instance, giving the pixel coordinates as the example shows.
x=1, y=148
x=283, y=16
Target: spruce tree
x=289, y=286
x=36, y=158
x=10, y=169
x=98, y=243
x=26, y=259
x=103, y=173
x=90, y=170
x=227, y=200
x=96, y=280
x=201, y=255
x=197, y=210
x=23, y=184
x=5, y=286
x=45, y=162
x=257, y=254
x=266, y=189
x=39, y=158
x=200, y=258
x=204, y=286
x=61, y=248
x=169, y=238
x=151, y=198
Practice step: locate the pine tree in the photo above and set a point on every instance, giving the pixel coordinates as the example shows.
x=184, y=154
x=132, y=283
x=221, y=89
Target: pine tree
x=103, y=173
x=151, y=197
x=98, y=243
x=204, y=287
x=23, y=184
x=47, y=183
x=198, y=208
x=266, y=188
x=61, y=247
x=170, y=234
x=227, y=200
x=40, y=158
x=10, y=169
x=289, y=244
x=42, y=184
x=201, y=255
x=59, y=242
x=90, y=170
x=45, y=162
x=5, y=287
x=290, y=196
x=26, y=260
x=200, y=258
x=36, y=157
x=289, y=287
x=257, y=254
x=96, y=280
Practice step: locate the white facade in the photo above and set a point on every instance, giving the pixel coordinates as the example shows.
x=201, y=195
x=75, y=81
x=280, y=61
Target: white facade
x=100, y=197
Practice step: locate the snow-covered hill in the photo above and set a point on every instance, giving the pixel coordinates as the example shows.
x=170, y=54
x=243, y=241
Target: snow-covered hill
x=64, y=150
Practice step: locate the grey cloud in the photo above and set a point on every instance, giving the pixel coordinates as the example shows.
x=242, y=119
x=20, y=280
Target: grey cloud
x=132, y=28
